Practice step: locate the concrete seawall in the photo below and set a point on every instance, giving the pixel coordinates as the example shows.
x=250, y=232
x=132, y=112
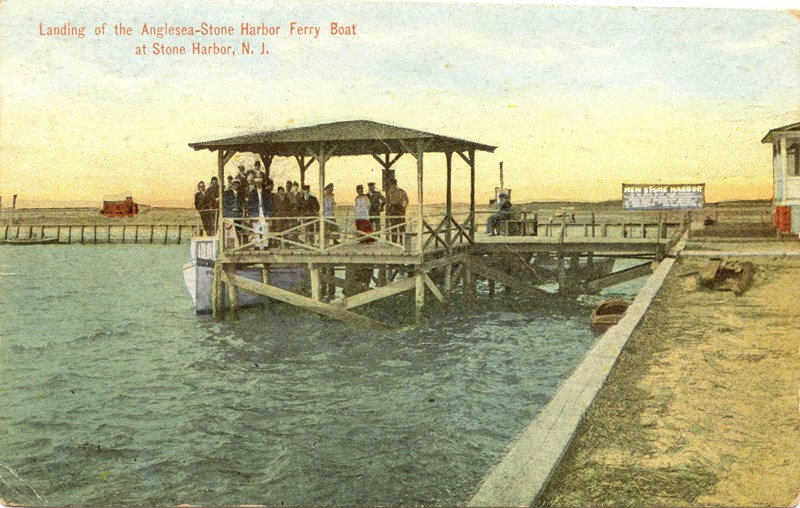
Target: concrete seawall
x=521, y=474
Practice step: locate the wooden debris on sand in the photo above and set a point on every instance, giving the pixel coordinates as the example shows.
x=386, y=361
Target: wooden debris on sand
x=725, y=275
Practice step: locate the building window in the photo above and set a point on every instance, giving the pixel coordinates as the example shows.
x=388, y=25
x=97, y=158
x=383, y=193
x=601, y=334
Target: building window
x=792, y=160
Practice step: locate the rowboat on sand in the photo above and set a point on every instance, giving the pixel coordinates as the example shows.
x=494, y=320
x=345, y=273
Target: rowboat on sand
x=608, y=313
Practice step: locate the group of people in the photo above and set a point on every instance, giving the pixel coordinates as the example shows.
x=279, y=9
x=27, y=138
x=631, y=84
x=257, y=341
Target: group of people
x=369, y=206
x=251, y=194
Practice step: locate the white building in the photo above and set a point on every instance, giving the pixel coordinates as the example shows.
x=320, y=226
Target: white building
x=786, y=176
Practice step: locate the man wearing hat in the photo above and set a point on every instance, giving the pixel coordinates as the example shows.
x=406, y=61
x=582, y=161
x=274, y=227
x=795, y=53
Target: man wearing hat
x=328, y=205
x=212, y=204
x=200, y=204
x=232, y=207
x=307, y=206
x=241, y=175
x=259, y=170
x=376, y=204
x=503, y=213
x=396, y=203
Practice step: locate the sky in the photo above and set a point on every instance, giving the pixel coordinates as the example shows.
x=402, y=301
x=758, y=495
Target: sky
x=578, y=99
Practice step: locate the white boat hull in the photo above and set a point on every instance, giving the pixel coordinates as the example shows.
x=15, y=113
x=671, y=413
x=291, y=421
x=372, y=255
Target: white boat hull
x=198, y=275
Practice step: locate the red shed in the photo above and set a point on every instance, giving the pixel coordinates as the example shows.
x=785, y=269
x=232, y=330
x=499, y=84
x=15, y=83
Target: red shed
x=124, y=208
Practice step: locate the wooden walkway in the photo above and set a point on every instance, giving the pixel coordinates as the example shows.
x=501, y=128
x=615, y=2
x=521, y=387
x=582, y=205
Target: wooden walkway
x=432, y=262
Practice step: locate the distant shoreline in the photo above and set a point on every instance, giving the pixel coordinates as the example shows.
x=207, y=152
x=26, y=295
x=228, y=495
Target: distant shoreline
x=547, y=204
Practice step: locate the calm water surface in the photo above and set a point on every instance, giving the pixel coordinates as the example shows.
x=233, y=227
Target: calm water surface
x=113, y=392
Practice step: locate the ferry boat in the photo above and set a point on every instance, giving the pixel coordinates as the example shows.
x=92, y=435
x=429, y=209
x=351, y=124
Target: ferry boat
x=197, y=275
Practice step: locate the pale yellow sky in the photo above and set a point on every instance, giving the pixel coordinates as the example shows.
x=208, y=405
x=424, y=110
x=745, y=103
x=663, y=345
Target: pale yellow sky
x=578, y=99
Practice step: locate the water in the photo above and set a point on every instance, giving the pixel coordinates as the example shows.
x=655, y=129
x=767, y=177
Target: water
x=113, y=392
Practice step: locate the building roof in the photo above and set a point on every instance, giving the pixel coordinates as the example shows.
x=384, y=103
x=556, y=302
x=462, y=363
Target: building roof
x=770, y=137
x=355, y=137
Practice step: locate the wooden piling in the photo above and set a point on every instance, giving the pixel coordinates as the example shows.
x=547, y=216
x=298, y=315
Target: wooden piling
x=491, y=288
x=420, y=295
x=83, y=227
x=180, y=230
x=217, y=301
x=136, y=234
x=562, y=272
x=166, y=233
x=30, y=232
x=470, y=286
x=5, y=235
x=69, y=235
x=123, y=233
x=152, y=228
x=95, y=234
x=316, y=285
x=265, y=273
x=233, y=292
x=108, y=235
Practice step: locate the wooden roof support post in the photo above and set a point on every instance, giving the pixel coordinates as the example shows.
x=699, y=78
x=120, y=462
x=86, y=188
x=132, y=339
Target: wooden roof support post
x=469, y=158
x=448, y=233
x=266, y=159
x=472, y=191
x=301, y=162
x=420, y=152
x=321, y=161
x=321, y=157
x=386, y=173
x=222, y=158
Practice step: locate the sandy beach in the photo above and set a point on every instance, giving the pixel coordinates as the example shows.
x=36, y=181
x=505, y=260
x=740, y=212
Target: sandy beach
x=702, y=407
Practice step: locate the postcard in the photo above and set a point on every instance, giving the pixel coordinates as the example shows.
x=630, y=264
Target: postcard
x=335, y=253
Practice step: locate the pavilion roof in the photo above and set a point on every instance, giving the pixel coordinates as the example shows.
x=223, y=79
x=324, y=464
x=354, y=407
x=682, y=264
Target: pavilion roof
x=354, y=137
x=770, y=137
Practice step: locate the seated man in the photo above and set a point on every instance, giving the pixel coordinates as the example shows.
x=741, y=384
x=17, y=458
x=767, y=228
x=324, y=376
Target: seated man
x=503, y=213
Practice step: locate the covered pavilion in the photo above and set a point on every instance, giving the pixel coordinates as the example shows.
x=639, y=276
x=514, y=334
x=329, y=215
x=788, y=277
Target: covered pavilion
x=386, y=144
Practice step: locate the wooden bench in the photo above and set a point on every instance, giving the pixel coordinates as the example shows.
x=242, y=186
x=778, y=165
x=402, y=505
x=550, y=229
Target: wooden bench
x=518, y=227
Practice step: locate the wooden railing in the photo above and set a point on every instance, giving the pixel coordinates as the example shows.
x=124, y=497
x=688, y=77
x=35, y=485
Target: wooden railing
x=560, y=226
x=397, y=233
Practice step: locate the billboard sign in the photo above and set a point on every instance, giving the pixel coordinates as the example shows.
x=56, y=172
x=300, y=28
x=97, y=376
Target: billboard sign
x=663, y=197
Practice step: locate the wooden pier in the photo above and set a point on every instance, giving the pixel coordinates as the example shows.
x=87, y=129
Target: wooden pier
x=102, y=233
x=431, y=254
